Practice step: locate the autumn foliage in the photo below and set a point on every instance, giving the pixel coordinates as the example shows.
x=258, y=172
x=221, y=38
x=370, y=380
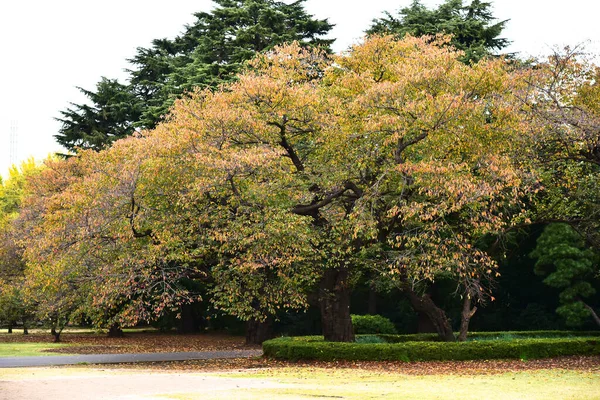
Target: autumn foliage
x=308, y=170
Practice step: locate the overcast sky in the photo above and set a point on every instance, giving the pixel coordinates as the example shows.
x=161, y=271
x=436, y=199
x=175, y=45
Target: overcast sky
x=51, y=46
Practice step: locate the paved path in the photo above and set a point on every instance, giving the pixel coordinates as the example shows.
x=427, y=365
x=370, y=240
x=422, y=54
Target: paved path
x=11, y=362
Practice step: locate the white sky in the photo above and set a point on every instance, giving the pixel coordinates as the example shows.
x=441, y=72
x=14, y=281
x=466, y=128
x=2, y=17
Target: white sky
x=48, y=47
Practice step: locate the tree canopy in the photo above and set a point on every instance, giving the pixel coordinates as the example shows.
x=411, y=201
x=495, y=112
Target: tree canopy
x=253, y=178
x=304, y=172
x=473, y=27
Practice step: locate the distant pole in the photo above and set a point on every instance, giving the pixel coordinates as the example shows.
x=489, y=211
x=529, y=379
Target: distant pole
x=13, y=153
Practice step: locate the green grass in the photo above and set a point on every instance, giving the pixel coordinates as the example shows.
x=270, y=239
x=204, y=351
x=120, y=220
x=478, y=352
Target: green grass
x=76, y=330
x=359, y=384
x=28, y=349
x=353, y=384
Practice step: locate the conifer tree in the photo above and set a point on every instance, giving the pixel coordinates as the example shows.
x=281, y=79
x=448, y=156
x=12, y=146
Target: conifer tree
x=472, y=26
x=208, y=53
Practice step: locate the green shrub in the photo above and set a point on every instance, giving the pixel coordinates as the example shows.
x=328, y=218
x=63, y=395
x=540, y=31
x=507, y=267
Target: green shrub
x=479, y=336
x=509, y=335
x=314, y=348
x=369, y=339
x=371, y=324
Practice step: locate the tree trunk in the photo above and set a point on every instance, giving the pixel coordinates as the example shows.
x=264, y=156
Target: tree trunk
x=53, y=331
x=57, y=335
x=10, y=327
x=334, y=301
x=188, y=323
x=424, y=324
x=25, y=329
x=437, y=316
x=466, y=315
x=257, y=332
x=594, y=315
x=115, y=331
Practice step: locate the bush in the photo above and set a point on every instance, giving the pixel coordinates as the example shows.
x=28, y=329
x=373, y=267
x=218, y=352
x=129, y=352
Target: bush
x=314, y=348
x=479, y=336
x=371, y=324
x=369, y=339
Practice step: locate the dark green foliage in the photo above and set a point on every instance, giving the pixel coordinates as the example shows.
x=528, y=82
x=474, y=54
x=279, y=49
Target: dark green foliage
x=298, y=323
x=12, y=306
x=314, y=348
x=209, y=52
x=366, y=324
x=212, y=50
x=568, y=264
x=523, y=301
x=478, y=336
x=369, y=339
x=109, y=117
x=471, y=25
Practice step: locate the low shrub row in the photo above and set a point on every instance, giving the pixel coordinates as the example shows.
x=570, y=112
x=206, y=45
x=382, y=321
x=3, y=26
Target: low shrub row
x=314, y=348
x=505, y=335
x=369, y=324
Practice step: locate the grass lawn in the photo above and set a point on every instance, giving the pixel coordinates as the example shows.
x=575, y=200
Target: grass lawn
x=73, y=330
x=361, y=384
x=574, y=377
x=28, y=349
x=292, y=383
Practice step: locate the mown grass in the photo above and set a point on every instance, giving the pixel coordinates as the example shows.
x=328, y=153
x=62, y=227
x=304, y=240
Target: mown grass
x=345, y=383
x=28, y=349
x=75, y=330
x=360, y=384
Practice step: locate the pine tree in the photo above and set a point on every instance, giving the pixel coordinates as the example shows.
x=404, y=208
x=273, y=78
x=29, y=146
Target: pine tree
x=209, y=52
x=472, y=26
x=109, y=117
x=569, y=265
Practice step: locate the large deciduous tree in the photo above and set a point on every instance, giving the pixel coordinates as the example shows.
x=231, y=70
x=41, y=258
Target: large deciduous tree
x=396, y=152
x=304, y=171
x=564, y=101
x=13, y=306
x=429, y=141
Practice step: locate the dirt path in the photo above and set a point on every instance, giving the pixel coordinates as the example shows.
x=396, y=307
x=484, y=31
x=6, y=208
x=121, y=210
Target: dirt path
x=44, y=384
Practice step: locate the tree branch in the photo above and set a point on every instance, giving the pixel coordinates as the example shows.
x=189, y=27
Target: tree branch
x=290, y=152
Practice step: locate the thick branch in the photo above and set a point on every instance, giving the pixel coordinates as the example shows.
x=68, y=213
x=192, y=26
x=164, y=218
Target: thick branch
x=402, y=145
x=310, y=209
x=466, y=315
x=134, y=210
x=290, y=152
x=594, y=315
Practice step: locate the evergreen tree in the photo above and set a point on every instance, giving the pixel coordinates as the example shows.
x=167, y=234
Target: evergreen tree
x=570, y=265
x=111, y=115
x=472, y=26
x=209, y=52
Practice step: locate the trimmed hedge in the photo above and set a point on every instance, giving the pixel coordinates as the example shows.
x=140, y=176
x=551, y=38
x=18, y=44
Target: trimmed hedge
x=506, y=335
x=314, y=348
x=368, y=324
